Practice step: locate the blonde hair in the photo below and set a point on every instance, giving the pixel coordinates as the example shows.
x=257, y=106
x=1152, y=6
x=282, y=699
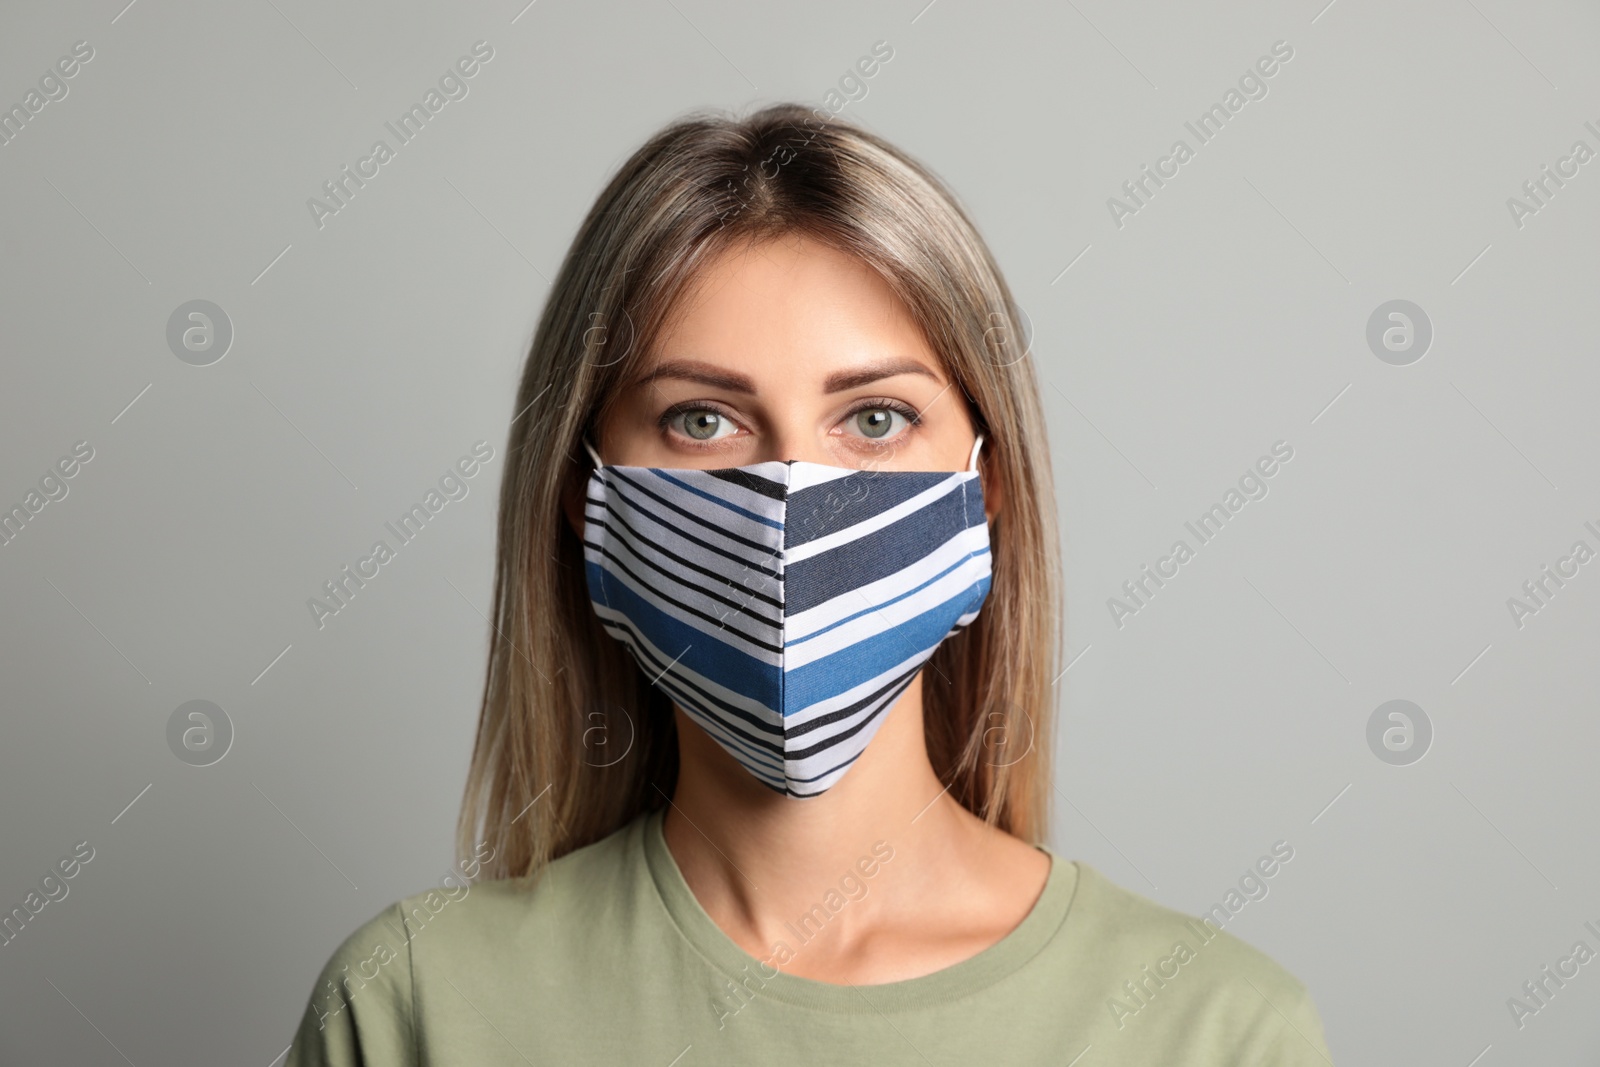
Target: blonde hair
x=541, y=783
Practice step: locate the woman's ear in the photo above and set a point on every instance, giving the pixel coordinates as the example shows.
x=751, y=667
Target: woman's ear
x=573, y=493
x=994, y=495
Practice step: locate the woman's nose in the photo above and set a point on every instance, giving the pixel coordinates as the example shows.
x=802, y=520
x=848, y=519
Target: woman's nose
x=814, y=447
x=794, y=443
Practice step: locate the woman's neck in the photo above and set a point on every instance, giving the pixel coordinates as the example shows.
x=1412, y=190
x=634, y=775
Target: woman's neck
x=909, y=881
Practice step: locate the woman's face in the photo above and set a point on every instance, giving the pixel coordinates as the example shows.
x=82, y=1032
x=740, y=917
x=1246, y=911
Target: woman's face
x=789, y=349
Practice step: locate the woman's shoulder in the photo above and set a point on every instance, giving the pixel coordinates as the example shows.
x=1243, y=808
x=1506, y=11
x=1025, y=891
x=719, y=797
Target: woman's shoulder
x=572, y=888
x=1150, y=957
x=1130, y=924
x=365, y=992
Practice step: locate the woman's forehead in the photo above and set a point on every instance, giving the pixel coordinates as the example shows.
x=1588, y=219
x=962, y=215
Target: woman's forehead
x=792, y=308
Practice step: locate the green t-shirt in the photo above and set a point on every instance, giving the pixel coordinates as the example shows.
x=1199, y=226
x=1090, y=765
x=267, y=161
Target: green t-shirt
x=610, y=959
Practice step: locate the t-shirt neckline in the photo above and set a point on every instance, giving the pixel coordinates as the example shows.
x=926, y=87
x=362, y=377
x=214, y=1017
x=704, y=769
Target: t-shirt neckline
x=706, y=938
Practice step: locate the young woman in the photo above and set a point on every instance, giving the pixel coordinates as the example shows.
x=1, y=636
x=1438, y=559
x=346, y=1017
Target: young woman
x=762, y=769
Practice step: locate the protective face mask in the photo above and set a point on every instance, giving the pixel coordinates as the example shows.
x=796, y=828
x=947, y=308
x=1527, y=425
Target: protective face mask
x=784, y=606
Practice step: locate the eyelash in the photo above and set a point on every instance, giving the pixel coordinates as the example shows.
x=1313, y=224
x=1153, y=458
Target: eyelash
x=912, y=416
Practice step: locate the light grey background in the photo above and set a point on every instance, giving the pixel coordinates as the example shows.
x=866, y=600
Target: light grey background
x=1229, y=313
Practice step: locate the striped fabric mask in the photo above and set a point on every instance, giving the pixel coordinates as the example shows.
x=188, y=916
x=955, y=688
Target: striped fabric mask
x=785, y=606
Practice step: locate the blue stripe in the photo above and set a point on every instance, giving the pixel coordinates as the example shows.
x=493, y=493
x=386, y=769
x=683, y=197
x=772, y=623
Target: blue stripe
x=860, y=663
x=852, y=710
x=872, y=707
x=736, y=721
x=618, y=569
x=892, y=600
x=736, y=509
x=705, y=655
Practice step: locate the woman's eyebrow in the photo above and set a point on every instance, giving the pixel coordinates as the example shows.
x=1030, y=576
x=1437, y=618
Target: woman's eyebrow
x=839, y=381
x=690, y=370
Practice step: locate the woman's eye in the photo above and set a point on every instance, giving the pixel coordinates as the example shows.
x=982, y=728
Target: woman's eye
x=878, y=423
x=701, y=424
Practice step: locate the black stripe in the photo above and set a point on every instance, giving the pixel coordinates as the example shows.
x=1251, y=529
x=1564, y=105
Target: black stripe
x=819, y=510
x=664, y=502
x=691, y=538
x=685, y=608
x=845, y=712
x=677, y=687
x=664, y=594
x=887, y=703
x=801, y=794
x=634, y=540
x=658, y=667
x=753, y=482
x=879, y=554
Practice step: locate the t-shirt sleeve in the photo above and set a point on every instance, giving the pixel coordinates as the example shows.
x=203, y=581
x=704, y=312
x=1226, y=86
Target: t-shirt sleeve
x=1299, y=1041
x=359, y=1014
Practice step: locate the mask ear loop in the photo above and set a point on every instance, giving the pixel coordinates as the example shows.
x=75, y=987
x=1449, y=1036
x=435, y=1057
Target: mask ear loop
x=972, y=460
x=592, y=453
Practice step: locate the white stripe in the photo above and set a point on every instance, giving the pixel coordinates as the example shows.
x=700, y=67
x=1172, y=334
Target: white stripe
x=629, y=500
x=767, y=718
x=814, y=764
x=850, y=696
x=861, y=529
x=812, y=788
x=666, y=482
x=804, y=474
x=734, y=629
x=797, y=627
x=875, y=622
x=656, y=533
x=650, y=562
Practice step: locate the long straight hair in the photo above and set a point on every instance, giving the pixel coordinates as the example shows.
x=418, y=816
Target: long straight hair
x=573, y=741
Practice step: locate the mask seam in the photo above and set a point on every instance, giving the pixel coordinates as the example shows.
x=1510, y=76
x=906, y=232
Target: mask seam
x=965, y=505
x=976, y=479
x=600, y=534
x=783, y=623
